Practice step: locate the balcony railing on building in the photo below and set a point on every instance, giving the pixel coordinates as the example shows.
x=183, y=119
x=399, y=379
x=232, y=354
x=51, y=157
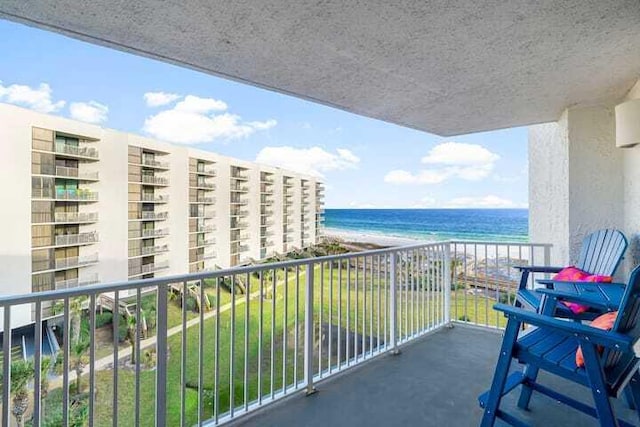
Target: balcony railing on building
x=205, y=170
x=154, y=198
x=152, y=250
x=152, y=215
x=64, y=263
x=316, y=317
x=154, y=180
x=67, y=172
x=156, y=232
x=77, y=151
x=71, y=217
x=154, y=163
x=76, y=239
x=77, y=282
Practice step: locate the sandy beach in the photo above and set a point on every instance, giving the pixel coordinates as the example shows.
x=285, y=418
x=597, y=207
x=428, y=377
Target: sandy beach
x=376, y=239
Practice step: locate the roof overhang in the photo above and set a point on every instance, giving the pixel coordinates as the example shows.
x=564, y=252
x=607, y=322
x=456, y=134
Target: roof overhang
x=440, y=66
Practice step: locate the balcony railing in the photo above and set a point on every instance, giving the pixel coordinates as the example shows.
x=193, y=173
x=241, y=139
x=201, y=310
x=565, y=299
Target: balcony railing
x=78, y=194
x=148, y=268
x=284, y=327
x=64, y=263
x=155, y=198
x=158, y=232
x=76, y=283
x=66, y=172
x=150, y=215
x=77, y=151
x=148, y=250
x=154, y=180
x=209, y=171
x=71, y=217
x=204, y=184
x=155, y=163
x=76, y=239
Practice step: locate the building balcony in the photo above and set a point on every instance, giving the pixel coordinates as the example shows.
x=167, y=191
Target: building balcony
x=154, y=198
x=204, y=256
x=148, y=251
x=267, y=180
x=148, y=268
x=266, y=212
x=240, y=212
x=203, y=200
x=158, y=232
x=239, y=224
x=80, y=152
x=64, y=263
x=74, y=217
x=202, y=228
x=75, y=195
x=76, y=283
x=204, y=185
x=151, y=216
x=156, y=164
x=206, y=171
x=204, y=242
x=402, y=298
x=76, y=173
x=239, y=202
x=266, y=223
x=154, y=180
x=239, y=188
x=239, y=176
x=76, y=239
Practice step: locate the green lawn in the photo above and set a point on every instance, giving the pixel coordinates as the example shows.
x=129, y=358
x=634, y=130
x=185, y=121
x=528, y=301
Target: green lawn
x=338, y=300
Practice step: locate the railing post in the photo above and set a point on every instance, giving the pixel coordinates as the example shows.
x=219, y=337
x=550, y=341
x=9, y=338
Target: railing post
x=161, y=363
x=308, y=331
x=393, y=305
x=547, y=258
x=447, y=284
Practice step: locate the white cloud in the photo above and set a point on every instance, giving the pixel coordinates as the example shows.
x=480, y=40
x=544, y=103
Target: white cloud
x=459, y=154
x=158, y=99
x=90, y=112
x=489, y=201
x=470, y=162
x=38, y=99
x=197, y=105
x=195, y=120
x=312, y=161
x=423, y=177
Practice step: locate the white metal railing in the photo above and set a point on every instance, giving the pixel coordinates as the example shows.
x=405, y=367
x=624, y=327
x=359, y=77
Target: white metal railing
x=76, y=239
x=164, y=198
x=75, y=216
x=75, y=283
x=483, y=273
x=80, y=151
x=154, y=163
x=220, y=344
x=156, y=180
x=153, y=215
x=156, y=232
x=68, y=172
x=76, y=261
x=206, y=171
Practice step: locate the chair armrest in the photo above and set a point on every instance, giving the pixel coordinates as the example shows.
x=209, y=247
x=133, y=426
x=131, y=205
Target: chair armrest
x=582, y=332
x=538, y=268
x=572, y=297
x=563, y=282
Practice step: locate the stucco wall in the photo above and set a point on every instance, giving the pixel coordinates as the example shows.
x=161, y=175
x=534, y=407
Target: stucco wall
x=549, y=186
x=579, y=182
x=576, y=180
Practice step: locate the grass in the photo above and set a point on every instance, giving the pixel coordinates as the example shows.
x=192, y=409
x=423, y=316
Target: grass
x=339, y=299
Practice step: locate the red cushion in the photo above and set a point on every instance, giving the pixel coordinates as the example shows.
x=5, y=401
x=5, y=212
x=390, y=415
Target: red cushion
x=574, y=274
x=605, y=322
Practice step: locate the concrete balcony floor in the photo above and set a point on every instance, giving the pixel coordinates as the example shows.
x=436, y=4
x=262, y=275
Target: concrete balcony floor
x=434, y=382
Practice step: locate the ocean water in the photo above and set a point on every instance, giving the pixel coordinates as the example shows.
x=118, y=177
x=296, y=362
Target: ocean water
x=434, y=224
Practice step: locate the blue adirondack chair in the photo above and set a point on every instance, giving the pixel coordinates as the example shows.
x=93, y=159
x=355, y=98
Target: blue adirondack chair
x=551, y=345
x=601, y=254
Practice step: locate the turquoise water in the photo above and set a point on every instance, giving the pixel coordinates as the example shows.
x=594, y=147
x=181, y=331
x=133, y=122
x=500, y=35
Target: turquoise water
x=434, y=224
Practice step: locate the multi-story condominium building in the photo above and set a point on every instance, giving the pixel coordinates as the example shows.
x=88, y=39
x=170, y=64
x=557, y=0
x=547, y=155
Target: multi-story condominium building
x=89, y=204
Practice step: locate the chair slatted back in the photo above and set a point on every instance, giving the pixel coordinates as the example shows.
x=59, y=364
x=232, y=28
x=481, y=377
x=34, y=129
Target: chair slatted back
x=602, y=252
x=628, y=320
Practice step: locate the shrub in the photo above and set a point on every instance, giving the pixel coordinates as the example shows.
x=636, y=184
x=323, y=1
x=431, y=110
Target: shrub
x=191, y=303
x=464, y=318
x=103, y=319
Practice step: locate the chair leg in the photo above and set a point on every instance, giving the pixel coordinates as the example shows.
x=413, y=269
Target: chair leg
x=601, y=399
x=628, y=397
x=634, y=390
x=530, y=375
x=501, y=373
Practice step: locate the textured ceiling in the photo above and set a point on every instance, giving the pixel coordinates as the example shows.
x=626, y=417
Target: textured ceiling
x=447, y=67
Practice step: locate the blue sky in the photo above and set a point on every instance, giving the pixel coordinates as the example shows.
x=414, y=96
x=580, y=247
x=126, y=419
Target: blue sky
x=364, y=162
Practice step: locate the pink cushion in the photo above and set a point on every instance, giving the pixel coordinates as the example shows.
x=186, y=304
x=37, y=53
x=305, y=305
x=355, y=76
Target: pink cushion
x=574, y=274
x=605, y=322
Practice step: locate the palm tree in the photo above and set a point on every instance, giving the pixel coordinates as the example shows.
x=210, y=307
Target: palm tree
x=21, y=374
x=79, y=359
x=75, y=308
x=45, y=367
x=131, y=336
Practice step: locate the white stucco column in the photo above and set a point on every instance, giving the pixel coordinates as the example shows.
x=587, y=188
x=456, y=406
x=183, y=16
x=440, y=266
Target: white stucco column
x=576, y=180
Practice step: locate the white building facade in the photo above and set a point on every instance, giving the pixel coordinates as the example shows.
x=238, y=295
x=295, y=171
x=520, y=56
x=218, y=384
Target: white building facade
x=94, y=205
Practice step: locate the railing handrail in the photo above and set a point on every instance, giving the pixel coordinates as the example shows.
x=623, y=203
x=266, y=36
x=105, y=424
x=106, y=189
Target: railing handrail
x=179, y=278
